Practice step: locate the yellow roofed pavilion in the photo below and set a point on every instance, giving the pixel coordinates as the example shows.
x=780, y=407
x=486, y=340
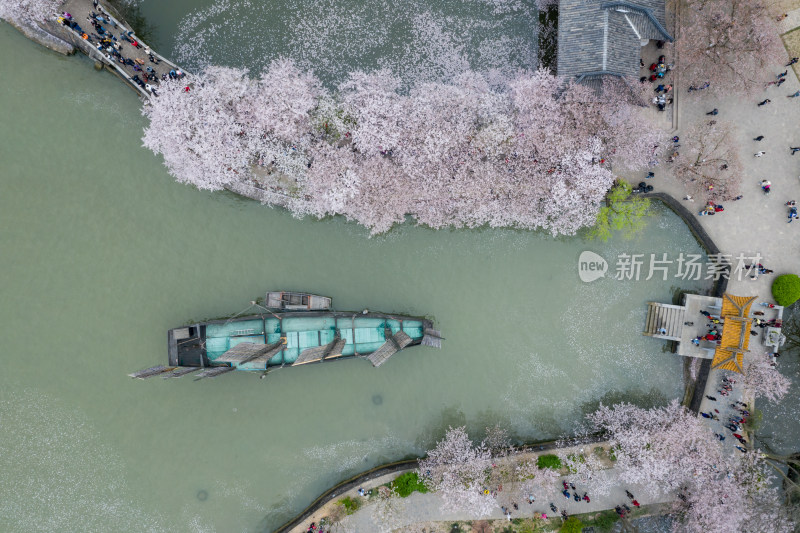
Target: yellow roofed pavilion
x=736, y=305
x=735, y=339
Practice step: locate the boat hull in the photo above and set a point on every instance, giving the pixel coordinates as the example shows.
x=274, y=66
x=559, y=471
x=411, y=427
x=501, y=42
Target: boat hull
x=292, y=338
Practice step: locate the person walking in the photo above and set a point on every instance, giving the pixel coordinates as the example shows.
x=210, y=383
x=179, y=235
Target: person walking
x=714, y=111
x=711, y=398
x=759, y=138
x=780, y=81
x=782, y=74
x=765, y=102
x=791, y=62
x=794, y=149
x=794, y=95
x=759, y=154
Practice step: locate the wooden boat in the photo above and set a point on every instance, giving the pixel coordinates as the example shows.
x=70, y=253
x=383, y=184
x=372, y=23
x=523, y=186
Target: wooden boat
x=286, y=336
x=297, y=301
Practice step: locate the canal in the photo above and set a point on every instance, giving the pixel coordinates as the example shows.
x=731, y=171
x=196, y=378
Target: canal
x=101, y=252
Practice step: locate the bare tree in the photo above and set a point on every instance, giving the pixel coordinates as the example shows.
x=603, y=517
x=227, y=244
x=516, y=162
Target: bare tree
x=729, y=43
x=709, y=165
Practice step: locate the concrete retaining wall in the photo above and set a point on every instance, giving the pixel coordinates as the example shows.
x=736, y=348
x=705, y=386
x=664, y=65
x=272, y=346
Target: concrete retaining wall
x=720, y=286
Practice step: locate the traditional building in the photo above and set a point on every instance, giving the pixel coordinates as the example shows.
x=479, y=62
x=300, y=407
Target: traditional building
x=598, y=38
x=731, y=316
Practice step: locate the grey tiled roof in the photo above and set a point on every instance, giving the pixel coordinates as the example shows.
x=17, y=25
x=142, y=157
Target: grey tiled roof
x=605, y=36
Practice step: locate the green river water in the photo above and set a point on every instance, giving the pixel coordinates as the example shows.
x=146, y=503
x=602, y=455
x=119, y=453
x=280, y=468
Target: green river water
x=101, y=252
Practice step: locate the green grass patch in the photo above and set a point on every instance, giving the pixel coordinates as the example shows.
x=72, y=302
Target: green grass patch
x=571, y=525
x=351, y=505
x=604, y=521
x=405, y=484
x=612, y=453
x=549, y=461
x=575, y=459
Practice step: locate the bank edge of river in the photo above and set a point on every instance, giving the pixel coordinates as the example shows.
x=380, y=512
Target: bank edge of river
x=42, y=36
x=695, y=390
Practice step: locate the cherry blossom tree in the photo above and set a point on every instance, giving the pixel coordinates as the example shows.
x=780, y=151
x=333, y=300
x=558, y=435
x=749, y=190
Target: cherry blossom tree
x=29, y=10
x=709, y=166
x=587, y=469
x=741, y=498
x=730, y=43
x=456, y=469
x=462, y=154
x=197, y=130
x=763, y=379
x=534, y=481
x=669, y=449
x=497, y=441
x=282, y=101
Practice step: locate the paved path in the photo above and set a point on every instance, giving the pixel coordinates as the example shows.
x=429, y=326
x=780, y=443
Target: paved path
x=428, y=508
x=421, y=508
x=757, y=223
x=791, y=22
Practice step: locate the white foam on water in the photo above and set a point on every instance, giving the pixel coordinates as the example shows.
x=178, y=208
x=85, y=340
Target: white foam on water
x=419, y=40
x=57, y=473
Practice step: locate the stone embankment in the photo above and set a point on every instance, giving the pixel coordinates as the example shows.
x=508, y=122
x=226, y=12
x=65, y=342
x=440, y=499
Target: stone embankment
x=42, y=36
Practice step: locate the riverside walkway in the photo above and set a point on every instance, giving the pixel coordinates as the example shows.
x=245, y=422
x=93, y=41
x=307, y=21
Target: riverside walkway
x=424, y=510
x=757, y=223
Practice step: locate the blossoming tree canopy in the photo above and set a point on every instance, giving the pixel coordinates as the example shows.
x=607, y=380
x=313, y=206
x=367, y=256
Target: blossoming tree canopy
x=28, y=10
x=462, y=154
x=456, y=469
x=670, y=450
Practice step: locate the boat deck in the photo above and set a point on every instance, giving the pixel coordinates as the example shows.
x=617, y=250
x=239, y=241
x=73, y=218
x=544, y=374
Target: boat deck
x=362, y=335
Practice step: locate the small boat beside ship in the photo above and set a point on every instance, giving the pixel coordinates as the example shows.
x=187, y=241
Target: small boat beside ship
x=293, y=329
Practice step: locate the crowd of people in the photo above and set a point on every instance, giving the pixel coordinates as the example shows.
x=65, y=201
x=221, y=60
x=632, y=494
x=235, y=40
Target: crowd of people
x=734, y=415
x=658, y=70
x=715, y=323
x=119, y=45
